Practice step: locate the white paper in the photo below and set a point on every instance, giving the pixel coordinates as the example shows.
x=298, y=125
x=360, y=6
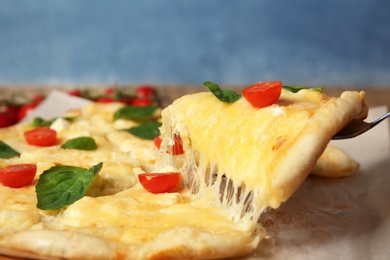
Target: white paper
x=55, y=105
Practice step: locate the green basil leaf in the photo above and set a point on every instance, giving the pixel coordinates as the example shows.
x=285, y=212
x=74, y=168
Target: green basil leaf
x=295, y=89
x=135, y=113
x=225, y=95
x=6, y=151
x=38, y=122
x=147, y=130
x=80, y=143
x=60, y=186
x=319, y=89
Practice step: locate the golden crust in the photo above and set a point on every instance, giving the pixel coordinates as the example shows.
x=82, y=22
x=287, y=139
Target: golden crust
x=334, y=163
x=58, y=245
x=177, y=243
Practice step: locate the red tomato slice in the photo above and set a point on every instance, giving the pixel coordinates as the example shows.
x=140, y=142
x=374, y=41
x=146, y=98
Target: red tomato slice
x=75, y=93
x=141, y=102
x=12, y=109
x=177, y=148
x=160, y=182
x=38, y=99
x=7, y=118
x=157, y=142
x=41, y=136
x=109, y=91
x=263, y=94
x=145, y=91
x=126, y=100
x=18, y=175
x=25, y=109
x=106, y=100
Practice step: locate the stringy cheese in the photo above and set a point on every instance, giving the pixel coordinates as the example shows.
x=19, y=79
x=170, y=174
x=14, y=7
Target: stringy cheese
x=233, y=149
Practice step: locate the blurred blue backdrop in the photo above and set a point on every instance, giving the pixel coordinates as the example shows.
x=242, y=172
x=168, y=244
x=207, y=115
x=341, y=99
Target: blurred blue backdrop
x=332, y=42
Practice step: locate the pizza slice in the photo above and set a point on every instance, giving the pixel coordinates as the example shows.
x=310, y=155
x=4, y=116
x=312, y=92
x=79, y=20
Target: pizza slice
x=255, y=158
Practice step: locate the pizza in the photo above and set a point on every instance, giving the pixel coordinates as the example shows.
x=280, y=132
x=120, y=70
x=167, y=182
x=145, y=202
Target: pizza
x=186, y=182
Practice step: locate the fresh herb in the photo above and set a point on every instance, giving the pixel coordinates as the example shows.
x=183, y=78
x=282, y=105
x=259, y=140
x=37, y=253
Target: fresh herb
x=60, y=186
x=224, y=95
x=138, y=114
x=295, y=89
x=80, y=143
x=6, y=151
x=38, y=122
x=147, y=130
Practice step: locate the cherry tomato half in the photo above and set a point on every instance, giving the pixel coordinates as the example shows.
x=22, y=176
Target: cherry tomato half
x=17, y=175
x=157, y=142
x=41, y=136
x=145, y=91
x=263, y=94
x=109, y=91
x=141, y=102
x=160, y=182
x=106, y=100
x=7, y=118
x=75, y=93
x=177, y=148
x=25, y=110
x=14, y=109
x=38, y=99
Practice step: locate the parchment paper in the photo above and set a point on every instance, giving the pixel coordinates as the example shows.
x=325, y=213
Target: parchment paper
x=345, y=218
x=55, y=104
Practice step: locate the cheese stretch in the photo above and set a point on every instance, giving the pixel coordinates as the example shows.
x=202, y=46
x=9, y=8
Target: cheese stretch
x=255, y=158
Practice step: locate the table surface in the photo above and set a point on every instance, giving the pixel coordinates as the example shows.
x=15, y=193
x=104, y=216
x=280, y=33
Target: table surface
x=374, y=96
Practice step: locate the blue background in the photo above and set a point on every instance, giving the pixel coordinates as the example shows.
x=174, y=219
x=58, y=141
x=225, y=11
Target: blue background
x=331, y=42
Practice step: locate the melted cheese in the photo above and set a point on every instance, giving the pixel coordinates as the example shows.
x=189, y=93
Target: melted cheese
x=116, y=209
x=135, y=216
x=264, y=153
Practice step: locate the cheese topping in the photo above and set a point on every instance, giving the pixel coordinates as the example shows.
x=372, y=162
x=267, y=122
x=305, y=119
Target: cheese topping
x=244, y=154
x=116, y=208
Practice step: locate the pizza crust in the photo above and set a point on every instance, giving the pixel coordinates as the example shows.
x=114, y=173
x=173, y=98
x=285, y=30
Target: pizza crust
x=189, y=243
x=324, y=123
x=334, y=163
x=182, y=242
x=55, y=244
